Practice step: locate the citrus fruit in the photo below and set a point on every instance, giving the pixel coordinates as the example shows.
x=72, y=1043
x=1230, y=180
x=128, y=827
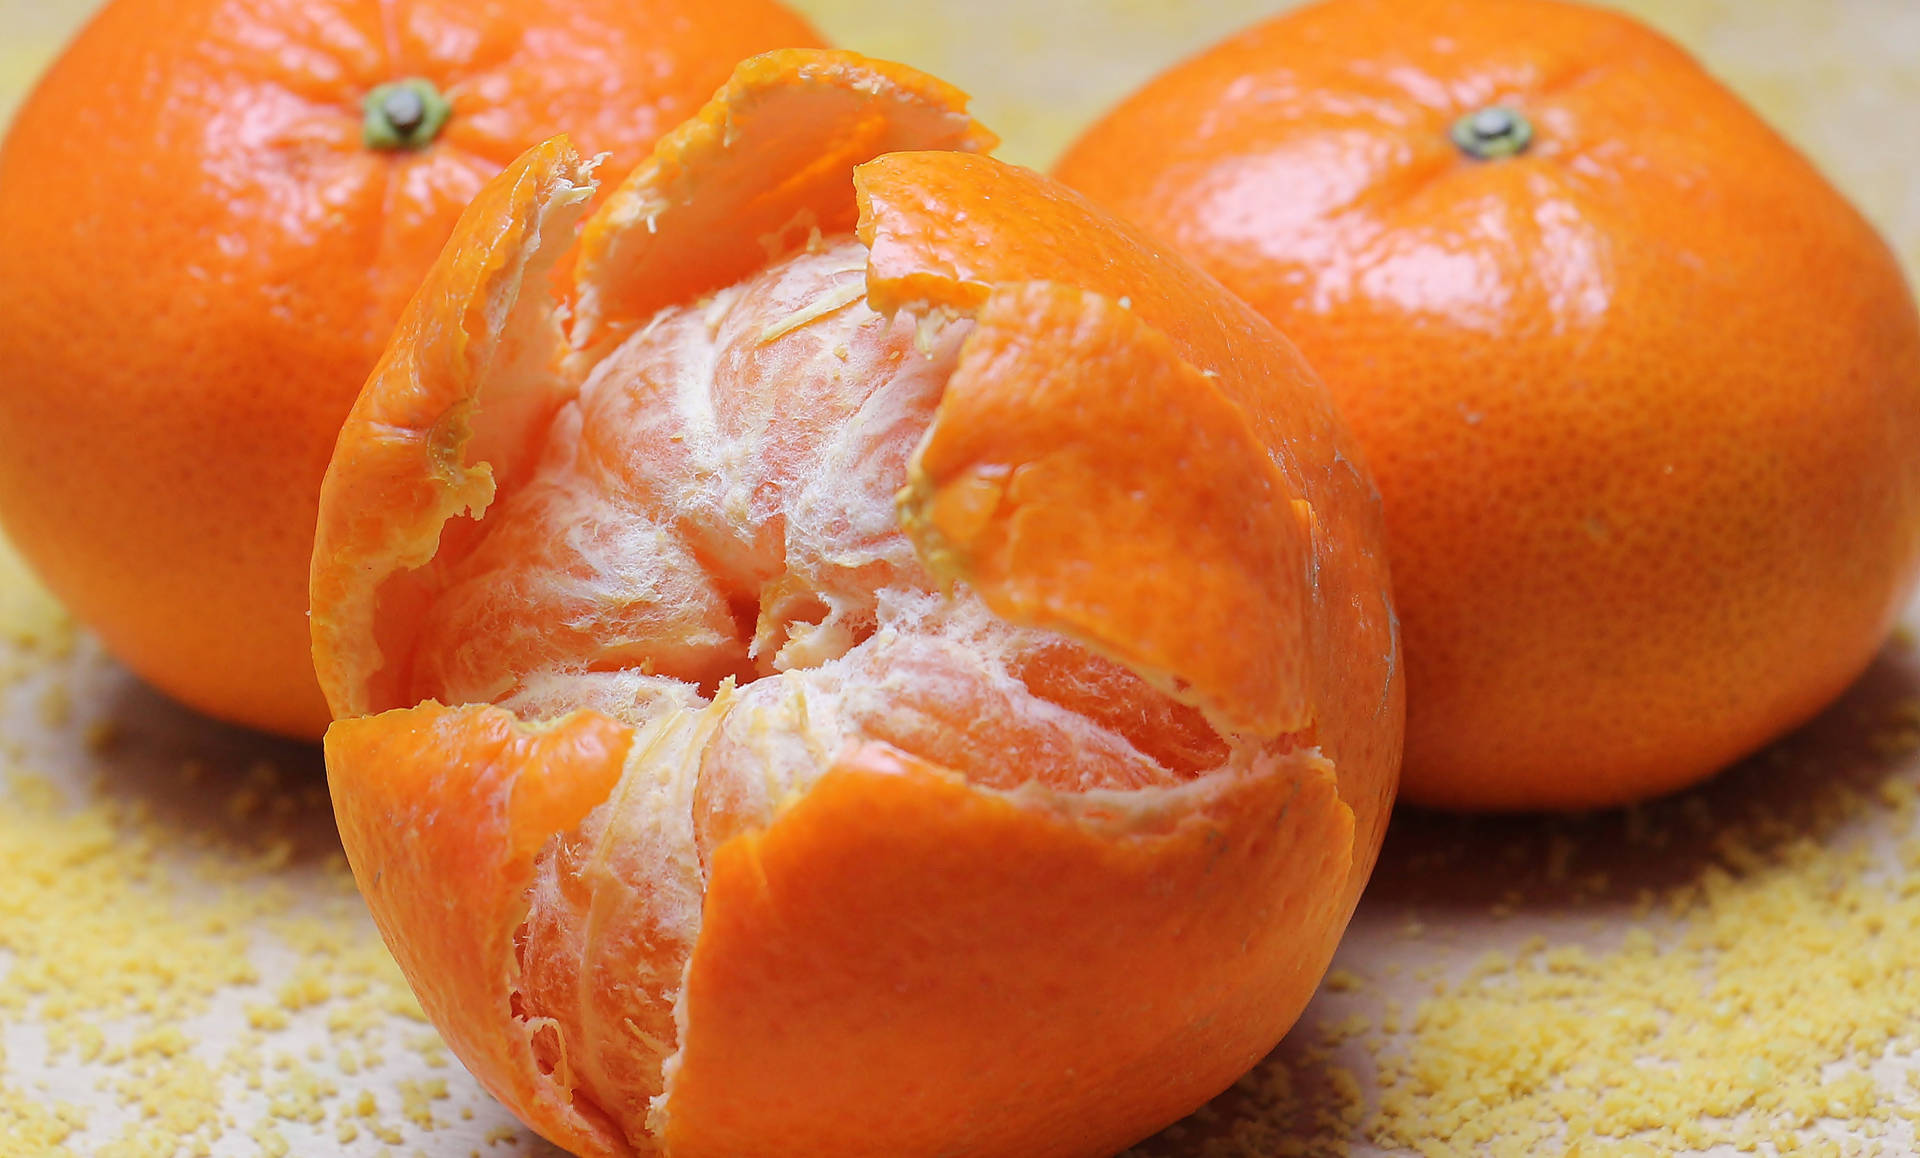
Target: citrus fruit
x=895, y=666
x=1640, y=389
x=214, y=212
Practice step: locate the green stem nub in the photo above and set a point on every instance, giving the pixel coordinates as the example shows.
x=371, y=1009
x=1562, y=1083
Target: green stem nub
x=407, y=114
x=1492, y=132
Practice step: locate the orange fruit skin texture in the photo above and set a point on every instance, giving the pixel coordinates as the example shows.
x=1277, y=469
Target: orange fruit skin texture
x=202, y=261
x=718, y=930
x=1643, y=401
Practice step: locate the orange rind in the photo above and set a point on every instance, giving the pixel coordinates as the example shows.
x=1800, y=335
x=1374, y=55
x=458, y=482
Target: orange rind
x=1641, y=390
x=215, y=212
x=927, y=678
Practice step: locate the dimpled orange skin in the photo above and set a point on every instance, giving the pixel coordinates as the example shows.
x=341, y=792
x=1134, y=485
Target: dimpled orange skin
x=1643, y=401
x=653, y=935
x=202, y=261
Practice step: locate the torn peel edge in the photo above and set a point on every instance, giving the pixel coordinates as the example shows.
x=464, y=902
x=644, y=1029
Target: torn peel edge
x=1094, y=820
x=769, y=152
x=600, y=1042
x=652, y=242
x=1246, y=946
x=1072, y=431
x=442, y=813
x=481, y=320
x=648, y=817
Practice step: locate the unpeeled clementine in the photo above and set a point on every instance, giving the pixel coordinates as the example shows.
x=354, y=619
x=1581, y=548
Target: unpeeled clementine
x=886, y=663
x=1640, y=388
x=213, y=213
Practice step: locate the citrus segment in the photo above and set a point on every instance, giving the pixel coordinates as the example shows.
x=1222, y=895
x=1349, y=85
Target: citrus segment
x=686, y=519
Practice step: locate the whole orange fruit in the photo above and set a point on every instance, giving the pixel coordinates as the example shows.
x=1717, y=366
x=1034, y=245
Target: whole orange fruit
x=1640, y=389
x=926, y=678
x=214, y=211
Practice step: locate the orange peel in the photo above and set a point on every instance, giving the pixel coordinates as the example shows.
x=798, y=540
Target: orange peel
x=929, y=680
x=1641, y=389
x=216, y=211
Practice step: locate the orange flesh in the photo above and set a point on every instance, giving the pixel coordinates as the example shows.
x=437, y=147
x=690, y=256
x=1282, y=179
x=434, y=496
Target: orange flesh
x=708, y=550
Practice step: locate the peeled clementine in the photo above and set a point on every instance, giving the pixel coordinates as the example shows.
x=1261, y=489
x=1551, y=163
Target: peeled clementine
x=895, y=666
x=214, y=211
x=1640, y=389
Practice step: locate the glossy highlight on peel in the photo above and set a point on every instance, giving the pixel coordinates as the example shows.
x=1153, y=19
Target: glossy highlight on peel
x=1641, y=390
x=889, y=620
x=213, y=220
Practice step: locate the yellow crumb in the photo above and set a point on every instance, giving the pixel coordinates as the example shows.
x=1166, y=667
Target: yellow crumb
x=1333, y=1033
x=124, y=929
x=304, y=989
x=56, y=705
x=1342, y=981
x=416, y=1100
x=1762, y=999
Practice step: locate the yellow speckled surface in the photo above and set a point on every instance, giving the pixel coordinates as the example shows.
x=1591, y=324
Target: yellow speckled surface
x=184, y=968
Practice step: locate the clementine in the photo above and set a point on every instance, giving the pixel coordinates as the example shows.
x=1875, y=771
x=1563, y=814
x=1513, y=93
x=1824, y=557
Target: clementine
x=1640, y=389
x=215, y=211
x=924, y=674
